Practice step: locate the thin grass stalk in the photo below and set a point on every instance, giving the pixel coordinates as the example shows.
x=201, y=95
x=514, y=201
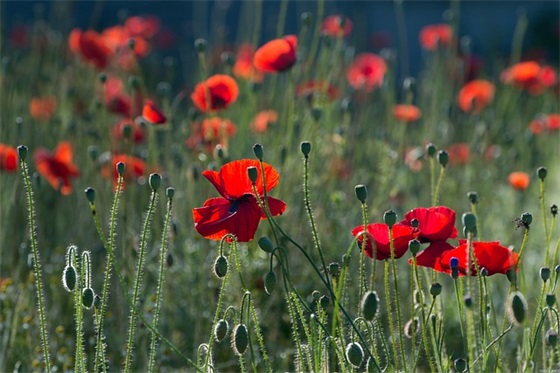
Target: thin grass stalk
x=38, y=272
x=545, y=223
x=138, y=280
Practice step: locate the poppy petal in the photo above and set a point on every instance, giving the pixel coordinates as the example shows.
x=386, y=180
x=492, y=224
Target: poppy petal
x=152, y=114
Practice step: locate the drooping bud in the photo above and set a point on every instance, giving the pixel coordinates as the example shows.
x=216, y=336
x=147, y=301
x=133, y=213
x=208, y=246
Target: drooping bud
x=512, y=276
x=306, y=19
x=220, y=330
x=370, y=304
x=554, y=210
x=484, y=272
x=88, y=297
x=240, y=339
x=355, y=354
x=334, y=269
x=551, y=337
x=411, y=327
x=69, y=278
x=221, y=266
x=265, y=244
x=517, y=308
x=361, y=193
x=102, y=77
x=324, y=302
x=467, y=299
x=270, y=282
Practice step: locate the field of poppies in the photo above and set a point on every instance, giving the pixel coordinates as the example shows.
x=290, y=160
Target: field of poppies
x=289, y=202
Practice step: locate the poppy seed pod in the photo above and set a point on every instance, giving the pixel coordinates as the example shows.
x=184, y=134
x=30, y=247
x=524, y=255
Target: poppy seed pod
x=390, y=218
x=220, y=330
x=102, y=77
x=170, y=192
x=469, y=221
x=258, y=151
x=155, y=181
x=305, y=148
x=370, y=304
x=517, y=308
x=545, y=273
x=121, y=167
x=550, y=299
x=414, y=223
x=443, y=158
x=435, y=289
x=414, y=246
x=253, y=174
x=240, y=339
x=554, y=210
x=467, y=299
x=90, y=194
x=542, y=172
x=200, y=45
x=473, y=197
x=355, y=354
x=221, y=266
x=527, y=219
x=361, y=192
x=270, y=282
x=22, y=151
x=551, y=337
x=334, y=269
x=431, y=149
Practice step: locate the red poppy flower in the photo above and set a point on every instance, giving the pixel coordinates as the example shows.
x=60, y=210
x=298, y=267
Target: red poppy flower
x=215, y=93
x=152, y=114
x=366, y=72
x=435, y=223
x=134, y=168
x=430, y=257
x=407, y=113
x=379, y=233
x=57, y=168
x=137, y=134
x=550, y=122
x=433, y=36
x=8, y=158
x=531, y=76
x=313, y=87
x=237, y=211
x=145, y=27
x=519, y=180
x=118, y=102
x=42, y=108
x=263, y=119
x=92, y=47
x=243, y=67
x=336, y=26
x=277, y=55
x=475, y=96
x=118, y=39
x=458, y=154
x=490, y=255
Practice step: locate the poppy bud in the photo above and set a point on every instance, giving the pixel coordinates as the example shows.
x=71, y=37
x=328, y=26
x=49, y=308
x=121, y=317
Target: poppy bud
x=443, y=158
x=270, y=282
x=371, y=366
x=221, y=266
x=545, y=273
x=200, y=45
x=334, y=269
x=469, y=221
x=306, y=19
x=370, y=303
x=93, y=152
x=527, y=219
x=484, y=272
x=431, y=149
x=550, y=299
x=361, y=193
x=551, y=337
x=90, y=194
x=170, y=192
x=414, y=223
x=22, y=152
x=517, y=309
x=69, y=277
x=305, y=148
x=228, y=59
x=120, y=168
x=390, y=218
x=265, y=244
x=554, y=210
x=473, y=197
x=414, y=246
x=468, y=301
x=435, y=289
x=258, y=150
x=220, y=330
x=324, y=302
x=133, y=82
x=512, y=276
x=355, y=354
x=155, y=181
x=102, y=77
x=240, y=339
x=411, y=327
x=88, y=297
x=252, y=173
x=460, y=365
x=541, y=173
x=409, y=84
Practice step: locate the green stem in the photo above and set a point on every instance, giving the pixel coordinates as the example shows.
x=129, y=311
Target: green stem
x=79, y=354
x=545, y=223
x=397, y=300
x=435, y=200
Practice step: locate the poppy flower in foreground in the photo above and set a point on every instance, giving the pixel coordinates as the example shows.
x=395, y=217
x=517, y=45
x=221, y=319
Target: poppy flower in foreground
x=435, y=223
x=531, y=76
x=490, y=255
x=42, y=108
x=475, y=96
x=152, y=114
x=237, y=211
x=406, y=113
x=379, y=233
x=277, y=55
x=263, y=119
x=8, y=158
x=433, y=36
x=58, y=167
x=336, y=26
x=215, y=93
x=366, y=72
x=519, y=180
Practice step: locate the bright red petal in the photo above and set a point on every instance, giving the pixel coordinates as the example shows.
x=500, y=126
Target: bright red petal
x=430, y=257
x=152, y=114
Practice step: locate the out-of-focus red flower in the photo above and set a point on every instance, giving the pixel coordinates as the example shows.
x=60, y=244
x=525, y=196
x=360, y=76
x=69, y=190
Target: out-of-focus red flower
x=490, y=255
x=8, y=158
x=550, y=122
x=152, y=114
x=433, y=36
x=42, y=108
x=413, y=159
x=379, y=234
x=91, y=47
x=58, y=167
x=475, y=96
x=519, y=180
x=209, y=133
x=120, y=40
x=215, y=93
x=336, y=26
x=237, y=211
x=459, y=154
x=435, y=223
x=244, y=68
x=531, y=76
x=134, y=168
x=143, y=26
x=277, y=55
x=313, y=87
x=137, y=134
x=366, y=72
x=18, y=36
x=118, y=102
x=407, y=113
x=263, y=119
